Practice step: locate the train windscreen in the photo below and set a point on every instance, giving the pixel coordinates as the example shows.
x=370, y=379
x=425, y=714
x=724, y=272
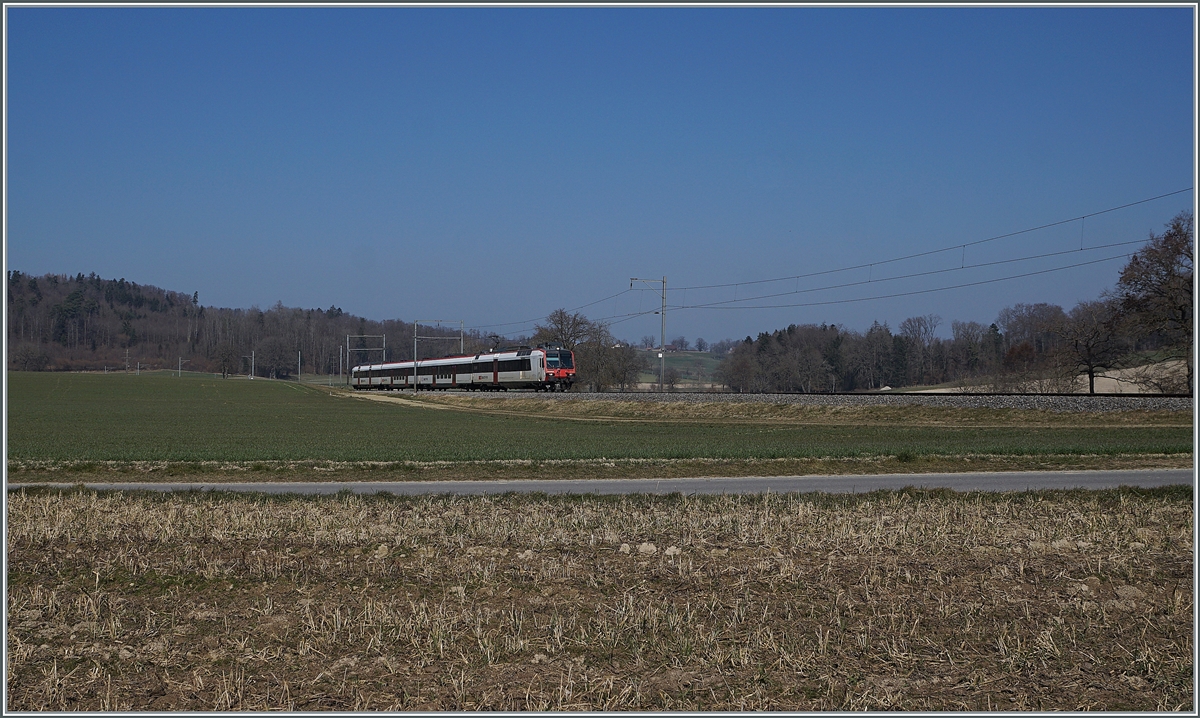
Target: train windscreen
x=559, y=360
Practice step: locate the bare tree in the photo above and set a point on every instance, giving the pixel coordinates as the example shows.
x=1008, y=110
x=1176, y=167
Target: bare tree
x=813, y=371
x=739, y=371
x=1092, y=340
x=29, y=358
x=969, y=332
x=603, y=362
x=1155, y=291
x=625, y=365
x=872, y=356
x=921, y=331
x=564, y=328
x=274, y=358
x=1037, y=324
x=228, y=359
x=600, y=361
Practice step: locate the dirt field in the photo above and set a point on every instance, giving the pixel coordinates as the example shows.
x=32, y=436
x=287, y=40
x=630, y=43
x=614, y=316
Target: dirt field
x=912, y=601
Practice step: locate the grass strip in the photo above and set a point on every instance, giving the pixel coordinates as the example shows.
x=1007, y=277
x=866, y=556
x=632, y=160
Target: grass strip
x=734, y=412
x=33, y=471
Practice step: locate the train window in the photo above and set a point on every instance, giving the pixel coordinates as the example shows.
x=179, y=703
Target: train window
x=515, y=365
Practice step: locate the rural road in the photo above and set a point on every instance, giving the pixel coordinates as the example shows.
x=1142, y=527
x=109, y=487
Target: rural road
x=983, y=481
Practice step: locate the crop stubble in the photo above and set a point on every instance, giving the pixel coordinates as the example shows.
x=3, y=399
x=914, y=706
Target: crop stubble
x=911, y=600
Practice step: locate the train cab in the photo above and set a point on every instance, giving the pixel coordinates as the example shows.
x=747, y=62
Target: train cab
x=560, y=367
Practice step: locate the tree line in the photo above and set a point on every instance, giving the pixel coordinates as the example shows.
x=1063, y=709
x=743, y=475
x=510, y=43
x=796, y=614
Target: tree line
x=1143, y=324
x=60, y=322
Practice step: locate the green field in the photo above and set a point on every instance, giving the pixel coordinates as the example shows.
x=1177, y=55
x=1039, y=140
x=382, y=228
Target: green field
x=692, y=367
x=196, y=417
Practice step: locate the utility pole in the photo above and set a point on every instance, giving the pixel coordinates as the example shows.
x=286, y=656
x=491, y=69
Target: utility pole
x=179, y=372
x=381, y=349
x=430, y=322
x=297, y=366
x=251, y=358
x=662, y=338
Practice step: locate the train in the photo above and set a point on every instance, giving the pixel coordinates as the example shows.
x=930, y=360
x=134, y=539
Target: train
x=544, y=368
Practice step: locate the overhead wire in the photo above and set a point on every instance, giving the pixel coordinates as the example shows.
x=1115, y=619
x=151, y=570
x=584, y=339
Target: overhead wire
x=623, y=317
x=914, y=292
x=541, y=318
x=960, y=245
x=926, y=273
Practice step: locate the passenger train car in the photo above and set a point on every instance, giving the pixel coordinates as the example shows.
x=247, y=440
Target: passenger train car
x=541, y=369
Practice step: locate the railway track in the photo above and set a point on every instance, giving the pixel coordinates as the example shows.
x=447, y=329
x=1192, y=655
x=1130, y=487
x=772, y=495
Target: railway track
x=1045, y=402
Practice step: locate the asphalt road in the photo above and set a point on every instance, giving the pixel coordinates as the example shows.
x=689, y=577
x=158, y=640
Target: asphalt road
x=982, y=481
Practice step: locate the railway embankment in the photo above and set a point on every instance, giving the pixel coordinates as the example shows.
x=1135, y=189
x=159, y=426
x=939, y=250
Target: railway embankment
x=1037, y=402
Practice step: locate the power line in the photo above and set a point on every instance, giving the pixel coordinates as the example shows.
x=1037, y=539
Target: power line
x=620, y=318
x=626, y=317
x=538, y=319
x=961, y=245
x=908, y=276
x=918, y=291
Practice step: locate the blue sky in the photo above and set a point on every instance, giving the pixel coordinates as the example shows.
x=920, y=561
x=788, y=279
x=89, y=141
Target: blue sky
x=494, y=164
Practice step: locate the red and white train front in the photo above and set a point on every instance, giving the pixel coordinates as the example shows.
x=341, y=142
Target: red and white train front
x=541, y=369
x=560, y=368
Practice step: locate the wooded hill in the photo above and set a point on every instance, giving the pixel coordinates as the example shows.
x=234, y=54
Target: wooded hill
x=64, y=323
